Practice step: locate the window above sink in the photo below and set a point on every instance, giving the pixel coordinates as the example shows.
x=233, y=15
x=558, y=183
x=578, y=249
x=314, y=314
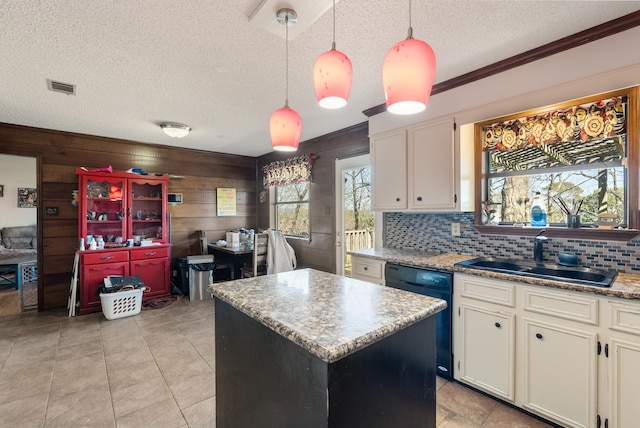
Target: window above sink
x=581, y=155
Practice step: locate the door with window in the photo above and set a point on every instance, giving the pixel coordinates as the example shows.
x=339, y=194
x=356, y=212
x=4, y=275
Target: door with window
x=356, y=223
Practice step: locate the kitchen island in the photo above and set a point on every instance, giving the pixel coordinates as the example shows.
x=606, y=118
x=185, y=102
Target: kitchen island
x=312, y=349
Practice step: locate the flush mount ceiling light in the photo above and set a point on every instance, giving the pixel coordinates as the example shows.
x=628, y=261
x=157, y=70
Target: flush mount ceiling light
x=175, y=130
x=332, y=74
x=407, y=75
x=285, y=125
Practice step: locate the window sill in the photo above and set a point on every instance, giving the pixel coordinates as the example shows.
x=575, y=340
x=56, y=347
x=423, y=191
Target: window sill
x=562, y=232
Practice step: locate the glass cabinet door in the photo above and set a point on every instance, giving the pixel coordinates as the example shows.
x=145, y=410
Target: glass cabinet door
x=104, y=209
x=148, y=198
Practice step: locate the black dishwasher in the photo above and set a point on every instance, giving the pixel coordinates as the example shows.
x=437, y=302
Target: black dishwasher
x=431, y=283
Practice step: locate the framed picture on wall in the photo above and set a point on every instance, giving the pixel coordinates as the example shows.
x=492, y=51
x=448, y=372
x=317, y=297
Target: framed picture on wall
x=27, y=197
x=1, y=190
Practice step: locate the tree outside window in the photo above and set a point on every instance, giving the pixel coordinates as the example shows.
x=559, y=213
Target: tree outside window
x=357, y=199
x=358, y=216
x=292, y=209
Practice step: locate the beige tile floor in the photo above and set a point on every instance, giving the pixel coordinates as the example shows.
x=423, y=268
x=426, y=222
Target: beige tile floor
x=152, y=369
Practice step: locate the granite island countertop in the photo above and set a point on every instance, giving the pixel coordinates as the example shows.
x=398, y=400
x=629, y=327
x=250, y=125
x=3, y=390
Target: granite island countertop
x=330, y=316
x=625, y=286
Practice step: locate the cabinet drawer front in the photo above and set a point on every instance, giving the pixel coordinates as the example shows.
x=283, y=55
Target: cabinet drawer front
x=106, y=257
x=624, y=317
x=562, y=305
x=149, y=253
x=488, y=290
x=368, y=269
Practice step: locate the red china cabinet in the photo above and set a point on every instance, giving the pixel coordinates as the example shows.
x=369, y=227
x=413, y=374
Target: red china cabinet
x=125, y=214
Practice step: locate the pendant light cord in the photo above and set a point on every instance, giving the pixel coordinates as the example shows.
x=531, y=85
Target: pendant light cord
x=333, y=44
x=286, y=26
x=410, y=34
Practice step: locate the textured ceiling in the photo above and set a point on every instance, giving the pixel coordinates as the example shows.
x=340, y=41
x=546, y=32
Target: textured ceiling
x=139, y=63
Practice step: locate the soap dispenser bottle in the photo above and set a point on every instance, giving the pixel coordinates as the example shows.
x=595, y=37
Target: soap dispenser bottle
x=538, y=213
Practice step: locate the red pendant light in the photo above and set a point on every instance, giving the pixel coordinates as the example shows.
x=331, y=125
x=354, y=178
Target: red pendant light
x=285, y=128
x=408, y=72
x=285, y=125
x=332, y=73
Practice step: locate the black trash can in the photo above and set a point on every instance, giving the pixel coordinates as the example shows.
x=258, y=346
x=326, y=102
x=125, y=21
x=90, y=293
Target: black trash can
x=182, y=276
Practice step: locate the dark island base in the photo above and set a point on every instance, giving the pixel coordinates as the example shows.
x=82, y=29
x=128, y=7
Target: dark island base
x=265, y=380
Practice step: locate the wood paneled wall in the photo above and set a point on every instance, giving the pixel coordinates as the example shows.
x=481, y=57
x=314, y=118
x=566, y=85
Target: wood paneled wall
x=58, y=155
x=319, y=252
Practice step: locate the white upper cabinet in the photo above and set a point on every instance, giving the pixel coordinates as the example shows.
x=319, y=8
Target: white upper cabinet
x=418, y=168
x=431, y=173
x=389, y=170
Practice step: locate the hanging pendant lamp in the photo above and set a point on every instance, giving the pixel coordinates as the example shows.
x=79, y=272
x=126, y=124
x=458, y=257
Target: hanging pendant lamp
x=285, y=125
x=332, y=73
x=408, y=72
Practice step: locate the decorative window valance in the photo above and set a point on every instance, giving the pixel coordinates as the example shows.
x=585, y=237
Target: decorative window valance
x=289, y=171
x=589, y=122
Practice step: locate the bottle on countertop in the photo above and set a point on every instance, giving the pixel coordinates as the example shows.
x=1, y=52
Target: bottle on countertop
x=538, y=213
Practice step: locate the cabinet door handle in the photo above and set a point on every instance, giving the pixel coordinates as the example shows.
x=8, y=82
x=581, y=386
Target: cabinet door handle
x=419, y=198
x=106, y=257
x=153, y=253
x=366, y=268
x=498, y=325
x=539, y=336
x=397, y=199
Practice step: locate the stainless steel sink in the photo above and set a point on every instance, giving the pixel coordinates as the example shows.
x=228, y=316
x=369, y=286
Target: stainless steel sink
x=579, y=275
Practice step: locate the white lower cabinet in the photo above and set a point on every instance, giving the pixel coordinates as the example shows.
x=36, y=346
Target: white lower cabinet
x=366, y=269
x=624, y=379
x=623, y=353
x=571, y=357
x=560, y=373
x=488, y=344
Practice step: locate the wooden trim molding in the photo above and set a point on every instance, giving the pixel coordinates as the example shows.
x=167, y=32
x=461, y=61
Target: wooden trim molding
x=589, y=35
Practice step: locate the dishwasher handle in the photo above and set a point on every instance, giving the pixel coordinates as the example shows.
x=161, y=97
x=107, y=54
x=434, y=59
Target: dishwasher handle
x=430, y=285
x=415, y=284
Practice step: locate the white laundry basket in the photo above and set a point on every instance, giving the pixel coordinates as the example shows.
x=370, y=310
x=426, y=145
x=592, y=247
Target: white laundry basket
x=121, y=303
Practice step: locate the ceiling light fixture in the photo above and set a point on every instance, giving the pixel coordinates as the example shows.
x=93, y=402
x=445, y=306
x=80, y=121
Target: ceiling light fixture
x=175, y=130
x=408, y=72
x=332, y=74
x=285, y=125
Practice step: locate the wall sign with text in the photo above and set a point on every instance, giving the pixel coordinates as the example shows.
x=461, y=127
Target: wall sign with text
x=226, y=201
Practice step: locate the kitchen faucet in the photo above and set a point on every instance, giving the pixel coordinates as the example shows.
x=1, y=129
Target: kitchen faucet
x=538, y=246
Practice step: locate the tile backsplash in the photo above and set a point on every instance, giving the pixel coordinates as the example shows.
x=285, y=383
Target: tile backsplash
x=432, y=232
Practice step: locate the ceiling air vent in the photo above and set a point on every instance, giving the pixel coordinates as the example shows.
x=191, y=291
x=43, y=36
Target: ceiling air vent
x=65, y=88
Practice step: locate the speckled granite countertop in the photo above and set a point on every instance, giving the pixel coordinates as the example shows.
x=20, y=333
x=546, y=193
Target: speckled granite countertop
x=331, y=316
x=625, y=286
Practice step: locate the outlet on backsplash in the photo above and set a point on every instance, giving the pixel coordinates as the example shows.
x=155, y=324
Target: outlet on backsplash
x=455, y=229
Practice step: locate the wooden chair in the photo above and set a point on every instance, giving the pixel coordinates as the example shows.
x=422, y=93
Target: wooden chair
x=204, y=250
x=259, y=264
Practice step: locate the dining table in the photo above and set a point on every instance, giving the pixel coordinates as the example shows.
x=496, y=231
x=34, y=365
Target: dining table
x=237, y=256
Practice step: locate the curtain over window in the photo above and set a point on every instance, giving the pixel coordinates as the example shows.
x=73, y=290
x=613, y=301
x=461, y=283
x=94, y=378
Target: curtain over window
x=579, y=135
x=289, y=171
